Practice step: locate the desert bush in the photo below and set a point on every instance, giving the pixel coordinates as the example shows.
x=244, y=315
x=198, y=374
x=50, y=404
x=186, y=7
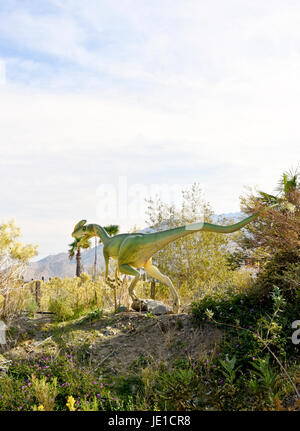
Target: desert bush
x=282, y=270
x=14, y=257
x=248, y=319
x=45, y=392
x=69, y=298
x=277, y=231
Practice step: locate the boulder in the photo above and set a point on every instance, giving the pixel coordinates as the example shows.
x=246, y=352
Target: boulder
x=151, y=306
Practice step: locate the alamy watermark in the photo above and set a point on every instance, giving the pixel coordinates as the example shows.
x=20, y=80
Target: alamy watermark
x=3, y=328
x=124, y=203
x=296, y=334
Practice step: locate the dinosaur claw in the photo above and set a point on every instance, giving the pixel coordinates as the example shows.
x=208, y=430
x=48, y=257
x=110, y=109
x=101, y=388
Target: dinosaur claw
x=113, y=283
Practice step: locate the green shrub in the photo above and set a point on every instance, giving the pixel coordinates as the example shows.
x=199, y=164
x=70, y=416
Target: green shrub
x=61, y=307
x=70, y=298
x=282, y=270
x=246, y=319
x=30, y=305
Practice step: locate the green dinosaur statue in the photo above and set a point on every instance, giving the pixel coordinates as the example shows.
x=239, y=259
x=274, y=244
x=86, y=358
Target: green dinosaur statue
x=135, y=250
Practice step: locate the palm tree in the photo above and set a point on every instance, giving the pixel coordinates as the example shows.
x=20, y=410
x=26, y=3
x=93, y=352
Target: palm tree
x=95, y=259
x=289, y=181
x=287, y=184
x=75, y=248
x=112, y=229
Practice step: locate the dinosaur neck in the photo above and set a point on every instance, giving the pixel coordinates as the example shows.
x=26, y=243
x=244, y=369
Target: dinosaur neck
x=101, y=233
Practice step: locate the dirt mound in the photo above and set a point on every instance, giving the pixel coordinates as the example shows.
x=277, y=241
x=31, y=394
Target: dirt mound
x=134, y=337
x=117, y=342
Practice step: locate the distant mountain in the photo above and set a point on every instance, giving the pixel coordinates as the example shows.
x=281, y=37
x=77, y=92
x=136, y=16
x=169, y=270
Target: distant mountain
x=60, y=264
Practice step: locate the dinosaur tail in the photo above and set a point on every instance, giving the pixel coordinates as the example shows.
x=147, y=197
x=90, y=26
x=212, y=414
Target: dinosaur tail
x=209, y=227
x=161, y=239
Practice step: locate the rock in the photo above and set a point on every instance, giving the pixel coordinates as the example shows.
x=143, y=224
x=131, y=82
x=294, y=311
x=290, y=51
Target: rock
x=151, y=306
x=122, y=308
x=109, y=331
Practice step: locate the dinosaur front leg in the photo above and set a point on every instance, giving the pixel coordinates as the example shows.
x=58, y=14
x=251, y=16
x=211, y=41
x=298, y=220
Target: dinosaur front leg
x=113, y=282
x=110, y=283
x=154, y=272
x=107, y=279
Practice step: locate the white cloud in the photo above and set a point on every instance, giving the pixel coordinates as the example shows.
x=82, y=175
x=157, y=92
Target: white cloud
x=171, y=92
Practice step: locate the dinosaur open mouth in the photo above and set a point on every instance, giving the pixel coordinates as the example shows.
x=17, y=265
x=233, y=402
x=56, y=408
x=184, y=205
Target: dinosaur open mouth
x=84, y=238
x=80, y=236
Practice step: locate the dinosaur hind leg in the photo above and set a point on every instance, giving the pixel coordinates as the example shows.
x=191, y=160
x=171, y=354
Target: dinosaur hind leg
x=117, y=277
x=154, y=272
x=127, y=269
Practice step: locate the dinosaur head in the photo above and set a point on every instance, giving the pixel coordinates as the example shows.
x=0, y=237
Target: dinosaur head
x=82, y=231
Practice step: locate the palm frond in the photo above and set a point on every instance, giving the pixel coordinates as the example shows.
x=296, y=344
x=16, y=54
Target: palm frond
x=72, y=250
x=289, y=181
x=112, y=229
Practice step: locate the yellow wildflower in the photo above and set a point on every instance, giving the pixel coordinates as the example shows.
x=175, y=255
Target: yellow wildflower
x=70, y=404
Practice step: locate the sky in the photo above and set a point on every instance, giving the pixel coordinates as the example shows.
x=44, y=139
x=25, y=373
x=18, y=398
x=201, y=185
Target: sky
x=104, y=102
